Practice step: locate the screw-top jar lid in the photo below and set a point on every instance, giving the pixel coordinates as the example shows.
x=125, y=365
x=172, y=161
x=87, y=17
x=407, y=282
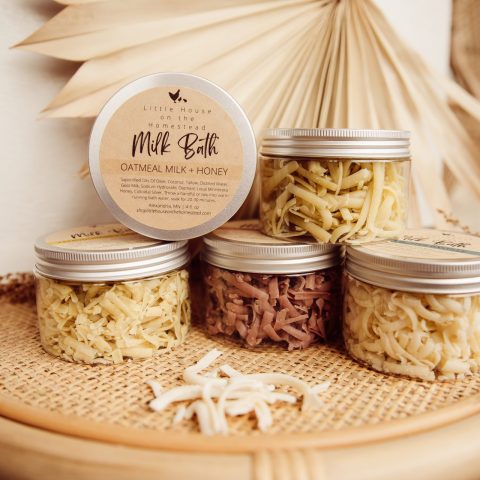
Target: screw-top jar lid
x=172, y=156
x=429, y=261
x=240, y=246
x=103, y=253
x=336, y=143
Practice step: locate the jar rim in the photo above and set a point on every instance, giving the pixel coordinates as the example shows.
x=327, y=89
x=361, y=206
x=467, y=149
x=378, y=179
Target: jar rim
x=336, y=143
x=246, y=249
x=423, y=260
x=122, y=255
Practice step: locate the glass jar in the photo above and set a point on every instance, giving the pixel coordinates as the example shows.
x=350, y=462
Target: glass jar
x=412, y=305
x=262, y=290
x=106, y=294
x=334, y=185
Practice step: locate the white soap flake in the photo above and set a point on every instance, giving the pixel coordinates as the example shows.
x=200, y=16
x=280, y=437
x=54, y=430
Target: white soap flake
x=211, y=398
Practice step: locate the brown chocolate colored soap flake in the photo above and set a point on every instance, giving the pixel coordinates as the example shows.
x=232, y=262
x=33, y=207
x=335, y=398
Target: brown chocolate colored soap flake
x=257, y=308
x=18, y=288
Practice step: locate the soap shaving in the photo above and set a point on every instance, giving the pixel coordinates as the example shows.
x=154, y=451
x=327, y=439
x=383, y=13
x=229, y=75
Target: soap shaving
x=333, y=201
x=215, y=395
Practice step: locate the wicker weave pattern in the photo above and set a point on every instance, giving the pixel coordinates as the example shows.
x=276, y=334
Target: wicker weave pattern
x=466, y=45
x=117, y=395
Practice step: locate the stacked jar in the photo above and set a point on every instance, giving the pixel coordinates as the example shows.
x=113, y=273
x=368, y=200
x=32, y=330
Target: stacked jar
x=173, y=157
x=334, y=185
x=320, y=188
x=411, y=297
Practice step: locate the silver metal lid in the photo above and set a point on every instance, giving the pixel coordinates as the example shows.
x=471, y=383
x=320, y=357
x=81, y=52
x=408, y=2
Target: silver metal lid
x=105, y=253
x=336, y=143
x=241, y=163
x=428, y=261
x=240, y=246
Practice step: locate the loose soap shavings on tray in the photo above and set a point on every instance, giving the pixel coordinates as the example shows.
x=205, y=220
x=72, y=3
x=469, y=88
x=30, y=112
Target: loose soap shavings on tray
x=224, y=391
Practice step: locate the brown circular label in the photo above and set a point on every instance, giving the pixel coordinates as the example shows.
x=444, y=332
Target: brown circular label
x=428, y=244
x=247, y=231
x=171, y=157
x=113, y=236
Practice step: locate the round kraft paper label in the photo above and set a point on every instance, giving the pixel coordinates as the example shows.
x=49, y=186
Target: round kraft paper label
x=247, y=231
x=429, y=244
x=98, y=237
x=171, y=158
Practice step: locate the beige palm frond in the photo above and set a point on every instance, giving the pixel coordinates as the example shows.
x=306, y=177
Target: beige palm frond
x=296, y=63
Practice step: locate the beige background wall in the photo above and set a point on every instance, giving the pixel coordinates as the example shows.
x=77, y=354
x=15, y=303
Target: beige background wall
x=39, y=189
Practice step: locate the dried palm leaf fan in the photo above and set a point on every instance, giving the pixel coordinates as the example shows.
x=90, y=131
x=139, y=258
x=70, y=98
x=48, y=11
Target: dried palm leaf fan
x=466, y=44
x=465, y=54
x=297, y=63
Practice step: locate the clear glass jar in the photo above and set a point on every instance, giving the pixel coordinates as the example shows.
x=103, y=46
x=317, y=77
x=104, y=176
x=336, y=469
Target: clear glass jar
x=412, y=306
x=334, y=185
x=261, y=290
x=106, y=294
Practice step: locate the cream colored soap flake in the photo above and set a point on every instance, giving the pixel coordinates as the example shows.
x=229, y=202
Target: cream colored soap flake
x=106, y=294
x=349, y=201
x=414, y=334
x=213, y=397
x=412, y=305
x=112, y=322
x=334, y=185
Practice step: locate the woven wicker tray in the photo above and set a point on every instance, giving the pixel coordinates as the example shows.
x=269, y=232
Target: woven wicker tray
x=109, y=403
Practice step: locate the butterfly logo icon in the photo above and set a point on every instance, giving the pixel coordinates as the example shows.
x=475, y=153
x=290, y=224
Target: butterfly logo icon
x=176, y=96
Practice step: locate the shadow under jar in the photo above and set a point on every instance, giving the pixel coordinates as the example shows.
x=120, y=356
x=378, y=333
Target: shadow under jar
x=263, y=290
x=412, y=305
x=334, y=185
x=106, y=294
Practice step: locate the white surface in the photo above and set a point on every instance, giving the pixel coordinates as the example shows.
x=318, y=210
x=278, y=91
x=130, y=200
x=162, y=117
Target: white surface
x=39, y=189
x=425, y=25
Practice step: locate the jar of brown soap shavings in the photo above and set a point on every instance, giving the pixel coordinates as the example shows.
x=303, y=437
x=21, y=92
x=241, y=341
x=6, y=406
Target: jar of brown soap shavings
x=334, y=185
x=106, y=294
x=262, y=290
